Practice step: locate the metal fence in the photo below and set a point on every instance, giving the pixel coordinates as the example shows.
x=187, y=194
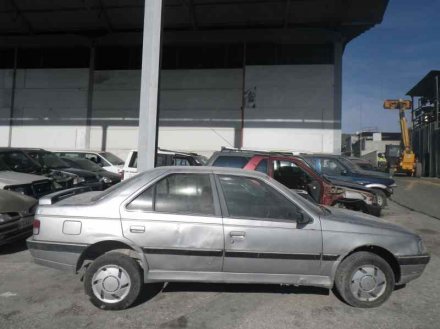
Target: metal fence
x=426, y=145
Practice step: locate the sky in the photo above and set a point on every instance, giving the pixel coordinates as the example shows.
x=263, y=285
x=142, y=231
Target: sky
x=387, y=61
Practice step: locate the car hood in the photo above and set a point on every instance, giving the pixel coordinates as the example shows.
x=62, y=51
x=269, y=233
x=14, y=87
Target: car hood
x=16, y=178
x=343, y=220
x=374, y=173
x=353, y=186
x=78, y=172
x=15, y=202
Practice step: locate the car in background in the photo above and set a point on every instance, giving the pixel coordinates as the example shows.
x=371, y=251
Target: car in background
x=106, y=160
x=296, y=174
x=211, y=224
x=51, y=162
x=163, y=158
x=230, y=158
x=14, y=159
x=16, y=216
x=336, y=167
x=107, y=178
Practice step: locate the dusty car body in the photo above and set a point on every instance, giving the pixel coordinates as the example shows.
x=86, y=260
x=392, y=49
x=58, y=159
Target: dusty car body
x=31, y=185
x=300, y=176
x=218, y=225
x=16, y=216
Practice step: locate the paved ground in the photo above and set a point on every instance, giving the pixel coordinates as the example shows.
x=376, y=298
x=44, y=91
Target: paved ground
x=419, y=194
x=37, y=297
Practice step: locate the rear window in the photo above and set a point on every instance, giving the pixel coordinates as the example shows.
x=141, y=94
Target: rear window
x=231, y=162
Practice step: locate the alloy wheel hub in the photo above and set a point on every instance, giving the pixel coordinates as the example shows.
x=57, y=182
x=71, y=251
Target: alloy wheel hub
x=368, y=283
x=111, y=284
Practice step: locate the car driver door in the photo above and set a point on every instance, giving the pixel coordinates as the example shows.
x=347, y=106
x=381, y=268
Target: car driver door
x=261, y=231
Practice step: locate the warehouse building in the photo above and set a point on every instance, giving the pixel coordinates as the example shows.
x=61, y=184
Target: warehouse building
x=245, y=73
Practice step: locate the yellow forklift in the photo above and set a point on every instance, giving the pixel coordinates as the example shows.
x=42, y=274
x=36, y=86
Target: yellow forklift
x=407, y=162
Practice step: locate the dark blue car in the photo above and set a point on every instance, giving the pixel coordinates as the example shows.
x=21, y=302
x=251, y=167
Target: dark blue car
x=337, y=168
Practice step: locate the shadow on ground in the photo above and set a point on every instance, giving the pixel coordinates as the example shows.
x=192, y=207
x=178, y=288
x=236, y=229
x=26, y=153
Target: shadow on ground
x=12, y=248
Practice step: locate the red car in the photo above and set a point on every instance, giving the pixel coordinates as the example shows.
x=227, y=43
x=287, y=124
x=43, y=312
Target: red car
x=294, y=173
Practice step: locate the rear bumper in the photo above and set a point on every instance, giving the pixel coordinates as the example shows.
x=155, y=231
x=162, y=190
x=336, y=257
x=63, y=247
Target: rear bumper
x=411, y=267
x=55, y=255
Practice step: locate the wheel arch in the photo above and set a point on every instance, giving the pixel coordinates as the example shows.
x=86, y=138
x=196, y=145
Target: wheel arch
x=97, y=249
x=379, y=251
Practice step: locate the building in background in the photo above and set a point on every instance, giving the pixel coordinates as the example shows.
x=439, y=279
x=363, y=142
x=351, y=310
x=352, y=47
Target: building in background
x=425, y=137
x=252, y=74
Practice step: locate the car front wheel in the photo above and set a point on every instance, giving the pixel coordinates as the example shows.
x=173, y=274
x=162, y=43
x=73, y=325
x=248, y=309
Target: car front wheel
x=381, y=198
x=364, y=280
x=113, y=281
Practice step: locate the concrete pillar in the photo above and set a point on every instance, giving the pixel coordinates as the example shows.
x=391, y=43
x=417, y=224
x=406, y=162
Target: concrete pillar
x=337, y=96
x=148, y=107
x=12, y=100
x=90, y=98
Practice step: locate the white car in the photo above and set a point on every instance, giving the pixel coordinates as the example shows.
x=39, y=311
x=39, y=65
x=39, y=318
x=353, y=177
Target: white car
x=164, y=158
x=106, y=160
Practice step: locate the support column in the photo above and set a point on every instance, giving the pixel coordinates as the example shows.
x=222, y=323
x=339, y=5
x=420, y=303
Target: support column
x=337, y=93
x=90, y=97
x=148, y=107
x=12, y=100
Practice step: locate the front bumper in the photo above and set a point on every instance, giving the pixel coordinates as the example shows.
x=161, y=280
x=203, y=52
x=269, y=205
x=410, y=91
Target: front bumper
x=16, y=231
x=411, y=267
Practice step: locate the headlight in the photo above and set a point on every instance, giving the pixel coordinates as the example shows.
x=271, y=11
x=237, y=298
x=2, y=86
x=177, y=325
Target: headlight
x=4, y=218
x=106, y=180
x=422, y=248
x=18, y=189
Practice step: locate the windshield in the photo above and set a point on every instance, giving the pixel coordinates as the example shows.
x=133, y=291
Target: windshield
x=84, y=164
x=48, y=160
x=18, y=161
x=113, y=159
x=349, y=164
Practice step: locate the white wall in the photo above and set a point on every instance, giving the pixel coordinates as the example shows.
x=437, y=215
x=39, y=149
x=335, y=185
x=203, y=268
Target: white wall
x=200, y=109
x=293, y=109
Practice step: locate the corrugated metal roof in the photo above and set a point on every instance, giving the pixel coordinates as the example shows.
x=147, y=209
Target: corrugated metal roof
x=426, y=86
x=103, y=17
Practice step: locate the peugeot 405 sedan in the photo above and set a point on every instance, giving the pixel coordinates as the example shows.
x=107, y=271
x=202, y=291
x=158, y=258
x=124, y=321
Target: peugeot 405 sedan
x=225, y=225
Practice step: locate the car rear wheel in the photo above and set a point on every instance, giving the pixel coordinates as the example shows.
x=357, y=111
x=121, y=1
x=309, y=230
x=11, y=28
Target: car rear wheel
x=364, y=280
x=381, y=198
x=113, y=281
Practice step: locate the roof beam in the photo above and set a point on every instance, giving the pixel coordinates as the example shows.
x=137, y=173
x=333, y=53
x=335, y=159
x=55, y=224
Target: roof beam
x=19, y=13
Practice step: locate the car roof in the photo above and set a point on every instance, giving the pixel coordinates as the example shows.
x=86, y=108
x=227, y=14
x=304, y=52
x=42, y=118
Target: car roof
x=209, y=169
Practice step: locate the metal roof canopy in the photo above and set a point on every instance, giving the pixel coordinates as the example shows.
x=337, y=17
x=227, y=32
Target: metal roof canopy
x=426, y=86
x=113, y=22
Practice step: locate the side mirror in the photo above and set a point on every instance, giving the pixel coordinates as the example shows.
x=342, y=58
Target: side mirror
x=302, y=219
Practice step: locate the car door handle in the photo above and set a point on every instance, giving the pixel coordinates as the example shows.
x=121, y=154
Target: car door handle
x=137, y=229
x=237, y=234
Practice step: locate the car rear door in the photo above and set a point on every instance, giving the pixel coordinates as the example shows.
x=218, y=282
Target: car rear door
x=177, y=221
x=260, y=230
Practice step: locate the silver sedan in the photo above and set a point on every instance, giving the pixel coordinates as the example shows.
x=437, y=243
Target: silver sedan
x=218, y=225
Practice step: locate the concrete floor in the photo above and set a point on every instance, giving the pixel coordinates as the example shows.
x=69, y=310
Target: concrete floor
x=32, y=296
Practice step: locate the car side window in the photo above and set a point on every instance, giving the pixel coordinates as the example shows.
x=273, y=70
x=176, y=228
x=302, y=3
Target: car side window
x=231, y=161
x=262, y=166
x=180, y=162
x=248, y=197
x=290, y=175
x=178, y=194
x=93, y=157
x=331, y=167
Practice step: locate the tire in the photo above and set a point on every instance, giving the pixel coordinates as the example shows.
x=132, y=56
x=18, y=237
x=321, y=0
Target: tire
x=364, y=280
x=381, y=198
x=113, y=281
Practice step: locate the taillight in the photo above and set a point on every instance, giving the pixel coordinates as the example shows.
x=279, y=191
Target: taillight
x=36, y=227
